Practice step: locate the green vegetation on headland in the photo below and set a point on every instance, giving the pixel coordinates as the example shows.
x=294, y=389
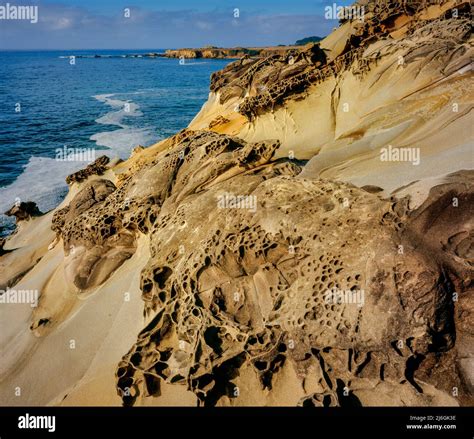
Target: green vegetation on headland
x=307, y=40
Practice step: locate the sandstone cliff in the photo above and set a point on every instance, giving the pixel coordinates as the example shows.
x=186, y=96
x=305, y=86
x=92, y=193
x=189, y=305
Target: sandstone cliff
x=268, y=254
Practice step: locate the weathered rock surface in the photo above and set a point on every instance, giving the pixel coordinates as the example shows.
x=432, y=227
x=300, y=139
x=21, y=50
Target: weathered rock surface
x=250, y=286
x=96, y=242
x=269, y=280
x=98, y=167
x=267, y=83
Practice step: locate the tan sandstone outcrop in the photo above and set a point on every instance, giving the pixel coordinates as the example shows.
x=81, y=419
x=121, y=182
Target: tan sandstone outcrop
x=266, y=255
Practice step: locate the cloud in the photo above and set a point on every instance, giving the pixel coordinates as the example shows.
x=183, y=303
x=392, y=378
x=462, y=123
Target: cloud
x=62, y=26
x=204, y=25
x=62, y=23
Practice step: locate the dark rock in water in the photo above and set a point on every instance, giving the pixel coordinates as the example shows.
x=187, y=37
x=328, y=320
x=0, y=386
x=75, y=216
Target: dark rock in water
x=24, y=211
x=98, y=167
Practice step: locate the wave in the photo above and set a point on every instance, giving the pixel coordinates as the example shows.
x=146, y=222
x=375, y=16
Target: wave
x=42, y=181
x=126, y=109
x=43, y=178
x=123, y=140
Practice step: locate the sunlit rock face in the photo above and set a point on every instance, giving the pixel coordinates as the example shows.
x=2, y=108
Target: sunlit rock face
x=308, y=240
x=252, y=267
x=343, y=294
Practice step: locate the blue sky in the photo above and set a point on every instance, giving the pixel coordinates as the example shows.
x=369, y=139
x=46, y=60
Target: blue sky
x=102, y=24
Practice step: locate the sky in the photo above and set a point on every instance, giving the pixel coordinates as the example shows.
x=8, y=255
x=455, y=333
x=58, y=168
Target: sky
x=161, y=24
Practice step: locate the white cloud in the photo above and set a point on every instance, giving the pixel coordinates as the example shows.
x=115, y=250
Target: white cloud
x=62, y=26
x=62, y=23
x=204, y=25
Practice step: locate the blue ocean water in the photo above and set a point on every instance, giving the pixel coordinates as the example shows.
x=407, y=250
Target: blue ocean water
x=108, y=104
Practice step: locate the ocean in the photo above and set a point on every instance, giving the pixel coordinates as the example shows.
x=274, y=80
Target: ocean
x=107, y=104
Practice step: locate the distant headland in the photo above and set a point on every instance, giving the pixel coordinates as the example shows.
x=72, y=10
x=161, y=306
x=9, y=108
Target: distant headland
x=214, y=52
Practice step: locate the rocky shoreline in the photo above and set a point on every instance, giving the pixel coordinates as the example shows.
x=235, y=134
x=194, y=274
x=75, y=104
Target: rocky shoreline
x=207, y=52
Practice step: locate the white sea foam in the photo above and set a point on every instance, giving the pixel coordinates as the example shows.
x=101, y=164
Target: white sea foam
x=121, y=141
x=124, y=109
x=190, y=63
x=43, y=179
